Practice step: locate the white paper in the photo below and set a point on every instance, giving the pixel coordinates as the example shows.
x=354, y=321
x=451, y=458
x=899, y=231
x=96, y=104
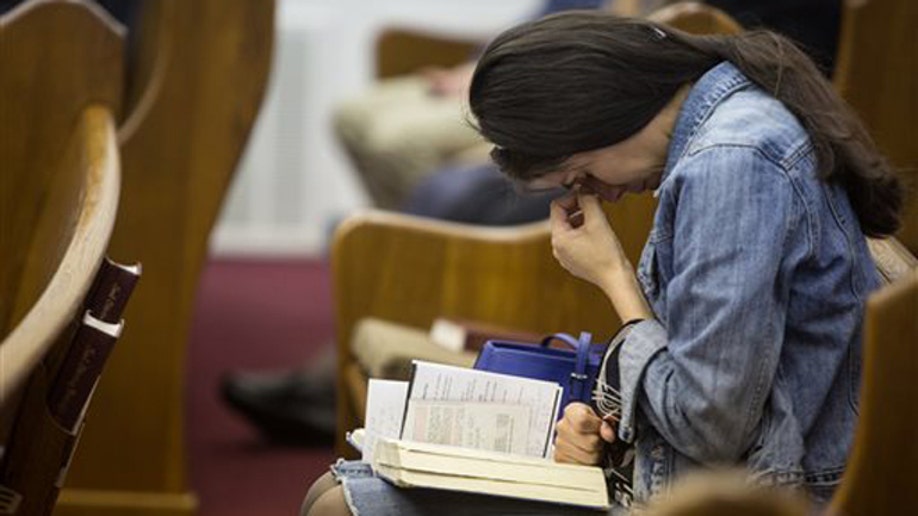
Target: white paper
x=356, y=438
x=438, y=382
x=483, y=426
x=448, y=335
x=385, y=410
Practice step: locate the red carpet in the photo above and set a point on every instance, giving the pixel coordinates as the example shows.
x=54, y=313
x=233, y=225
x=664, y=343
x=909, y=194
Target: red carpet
x=255, y=316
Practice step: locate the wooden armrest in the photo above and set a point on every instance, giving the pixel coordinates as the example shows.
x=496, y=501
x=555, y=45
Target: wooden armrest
x=92, y=160
x=893, y=260
x=696, y=18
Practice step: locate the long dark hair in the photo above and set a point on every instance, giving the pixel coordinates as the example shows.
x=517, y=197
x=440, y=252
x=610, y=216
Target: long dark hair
x=583, y=80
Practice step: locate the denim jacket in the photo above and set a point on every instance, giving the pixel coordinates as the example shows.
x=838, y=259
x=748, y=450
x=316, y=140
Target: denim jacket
x=757, y=272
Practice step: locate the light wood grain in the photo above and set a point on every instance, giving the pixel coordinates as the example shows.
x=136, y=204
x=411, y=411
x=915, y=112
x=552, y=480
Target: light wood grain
x=78, y=216
x=40, y=108
x=59, y=182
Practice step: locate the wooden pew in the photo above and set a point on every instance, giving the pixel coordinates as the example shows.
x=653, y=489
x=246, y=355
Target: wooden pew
x=881, y=475
x=404, y=51
x=60, y=91
x=877, y=73
x=200, y=76
x=422, y=269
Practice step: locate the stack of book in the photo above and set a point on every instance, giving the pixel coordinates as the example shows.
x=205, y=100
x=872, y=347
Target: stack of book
x=473, y=431
x=34, y=462
x=97, y=331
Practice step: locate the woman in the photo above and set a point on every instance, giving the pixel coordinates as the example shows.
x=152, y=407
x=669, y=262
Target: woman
x=743, y=346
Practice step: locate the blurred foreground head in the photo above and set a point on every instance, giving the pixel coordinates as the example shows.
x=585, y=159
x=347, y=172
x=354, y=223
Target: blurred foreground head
x=728, y=492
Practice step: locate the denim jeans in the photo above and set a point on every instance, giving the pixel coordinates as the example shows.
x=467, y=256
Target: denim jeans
x=367, y=494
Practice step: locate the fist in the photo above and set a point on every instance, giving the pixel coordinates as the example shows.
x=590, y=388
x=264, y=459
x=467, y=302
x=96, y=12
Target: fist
x=581, y=436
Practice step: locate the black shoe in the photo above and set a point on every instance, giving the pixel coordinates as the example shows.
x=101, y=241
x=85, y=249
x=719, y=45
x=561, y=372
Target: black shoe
x=292, y=408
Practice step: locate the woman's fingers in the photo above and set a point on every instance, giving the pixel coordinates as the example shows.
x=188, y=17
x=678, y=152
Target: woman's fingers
x=578, y=437
x=568, y=201
x=558, y=218
x=566, y=453
x=607, y=431
x=591, y=206
x=581, y=417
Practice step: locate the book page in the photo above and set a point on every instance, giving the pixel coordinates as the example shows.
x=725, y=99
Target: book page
x=482, y=426
x=438, y=382
x=385, y=410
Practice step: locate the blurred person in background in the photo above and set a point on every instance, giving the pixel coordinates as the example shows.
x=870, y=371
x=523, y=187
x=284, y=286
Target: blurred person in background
x=405, y=128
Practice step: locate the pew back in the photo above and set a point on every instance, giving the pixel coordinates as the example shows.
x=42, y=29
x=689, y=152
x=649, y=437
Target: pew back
x=59, y=92
x=60, y=175
x=877, y=73
x=881, y=475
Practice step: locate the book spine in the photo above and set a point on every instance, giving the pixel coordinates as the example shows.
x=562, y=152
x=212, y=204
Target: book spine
x=105, y=300
x=111, y=289
x=75, y=380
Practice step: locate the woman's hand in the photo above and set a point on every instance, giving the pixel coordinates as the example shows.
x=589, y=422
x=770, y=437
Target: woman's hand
x=581, y=434
x=591, y=251
x=583, y=242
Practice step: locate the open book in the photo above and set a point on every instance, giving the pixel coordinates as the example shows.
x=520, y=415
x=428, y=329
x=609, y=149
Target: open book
x=475, y=431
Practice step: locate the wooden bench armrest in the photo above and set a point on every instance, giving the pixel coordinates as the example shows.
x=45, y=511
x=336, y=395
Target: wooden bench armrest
x=893, y=260
x=94, y=145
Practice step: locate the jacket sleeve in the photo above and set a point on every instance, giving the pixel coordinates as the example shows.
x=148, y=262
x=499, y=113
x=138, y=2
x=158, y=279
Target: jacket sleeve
x=702, y=380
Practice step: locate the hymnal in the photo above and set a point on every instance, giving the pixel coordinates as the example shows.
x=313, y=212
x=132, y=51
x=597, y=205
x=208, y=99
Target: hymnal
x=76, y=379
x=111, y=289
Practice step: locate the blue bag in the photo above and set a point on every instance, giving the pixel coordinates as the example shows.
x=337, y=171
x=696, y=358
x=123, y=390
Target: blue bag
x=574, y=369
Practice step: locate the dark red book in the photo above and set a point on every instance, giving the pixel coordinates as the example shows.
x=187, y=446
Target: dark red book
x=80, y=363
x=76, y=379
x=110, y=291
x=105, y=300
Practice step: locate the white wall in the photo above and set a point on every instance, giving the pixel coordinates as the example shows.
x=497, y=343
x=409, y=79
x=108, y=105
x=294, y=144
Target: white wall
x=293, y=181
